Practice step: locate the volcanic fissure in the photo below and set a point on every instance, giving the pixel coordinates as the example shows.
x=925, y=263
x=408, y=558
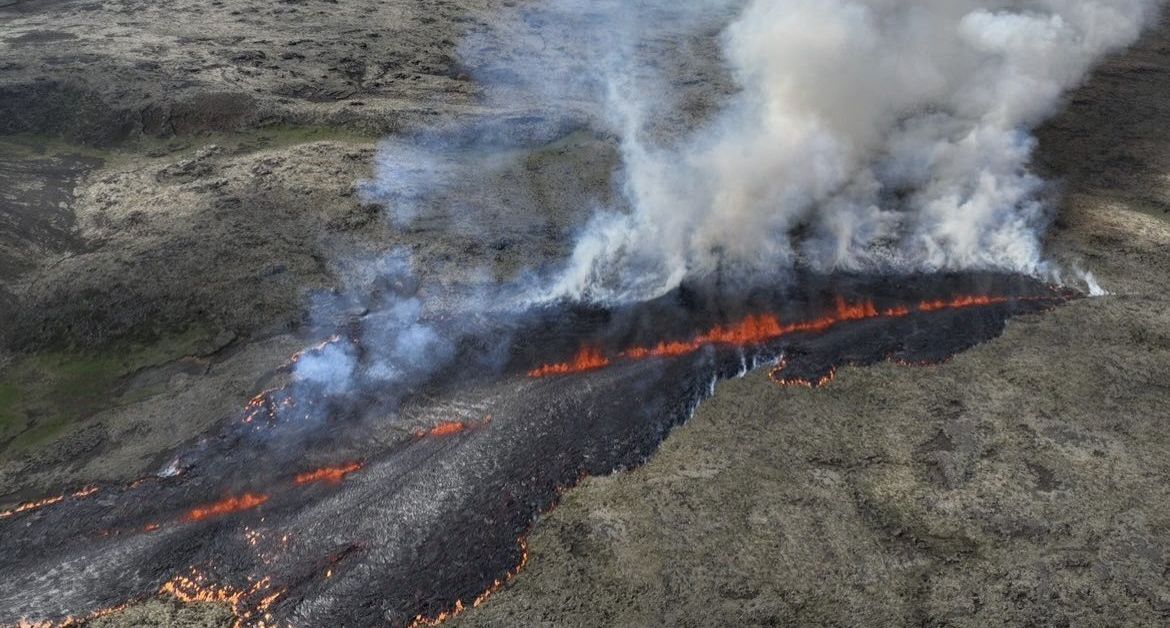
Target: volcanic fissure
x=444, y=507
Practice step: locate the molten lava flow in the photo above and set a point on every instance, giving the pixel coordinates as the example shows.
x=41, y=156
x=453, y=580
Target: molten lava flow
x=27, y=506
x=247, y=501
x=71, y=621
x=268, y=404
x=48, y=501
x=194, y=589
x=445, y=428
x=961, y=302
x=760, y=328
x=261, y=405
x=800, y=382
x=450, y=428
x=332, y=475
x=587, y=359
x=751, y=330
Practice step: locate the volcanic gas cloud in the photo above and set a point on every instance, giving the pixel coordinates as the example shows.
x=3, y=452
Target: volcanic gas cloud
x=867, y=135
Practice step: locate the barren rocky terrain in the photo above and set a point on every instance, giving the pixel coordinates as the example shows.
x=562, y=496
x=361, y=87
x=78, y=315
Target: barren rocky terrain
x=179, y=179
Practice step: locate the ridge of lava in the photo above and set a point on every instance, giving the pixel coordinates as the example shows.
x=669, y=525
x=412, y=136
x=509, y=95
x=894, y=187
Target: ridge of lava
x=757, y=329
x=330, y=475
x=226, y=506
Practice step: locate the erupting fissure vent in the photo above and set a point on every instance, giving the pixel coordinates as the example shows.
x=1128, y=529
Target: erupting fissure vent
x=587, y=359
x=761, y=328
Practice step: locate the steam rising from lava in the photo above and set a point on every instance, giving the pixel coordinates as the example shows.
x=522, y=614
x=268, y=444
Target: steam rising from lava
x=389, y=345
x=867, y=135
x=858, y=135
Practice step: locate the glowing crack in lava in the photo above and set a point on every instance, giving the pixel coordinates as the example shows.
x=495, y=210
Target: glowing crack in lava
x=761, y=328
x=226, y=506
x=587, y=359
x=47, y=501
x=33, y=505
x=329, y=475
x=450, y=428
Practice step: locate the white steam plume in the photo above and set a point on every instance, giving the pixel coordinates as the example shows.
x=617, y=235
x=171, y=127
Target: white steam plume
x=886, y=135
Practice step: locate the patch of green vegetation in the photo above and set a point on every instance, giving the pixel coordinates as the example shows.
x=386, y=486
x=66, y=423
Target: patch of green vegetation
x=44, y=395
x=36, y=146
x=10, y=396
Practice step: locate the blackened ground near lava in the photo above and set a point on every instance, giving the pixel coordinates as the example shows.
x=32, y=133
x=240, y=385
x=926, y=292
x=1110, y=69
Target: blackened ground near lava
x=401, y=514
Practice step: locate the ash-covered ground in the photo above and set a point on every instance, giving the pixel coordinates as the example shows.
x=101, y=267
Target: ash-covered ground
x=179, y=179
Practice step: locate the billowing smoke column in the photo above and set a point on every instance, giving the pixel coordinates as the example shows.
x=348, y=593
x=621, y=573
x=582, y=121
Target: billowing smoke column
x=866, y=135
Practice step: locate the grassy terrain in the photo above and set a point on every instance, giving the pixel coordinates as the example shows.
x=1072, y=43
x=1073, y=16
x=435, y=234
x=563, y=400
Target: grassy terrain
x=44, y=395
x=34, y=146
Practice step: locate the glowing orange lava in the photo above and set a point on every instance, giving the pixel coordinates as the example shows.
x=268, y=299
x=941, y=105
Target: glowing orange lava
x=262, y=403
x=799, y=382
x=450, y=428
x=71, y=621
x=194, y=589
x=85, y=492
x=498, y=583
x=447, y=428
x=751, y=330
x=27, y=506
x=247, y=501
x=760, y=328
x=587, y=359
x=48, y=501
x=961, y=302
x=332, y=475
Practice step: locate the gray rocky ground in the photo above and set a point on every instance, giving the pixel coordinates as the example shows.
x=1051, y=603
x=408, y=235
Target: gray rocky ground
x=177, y=178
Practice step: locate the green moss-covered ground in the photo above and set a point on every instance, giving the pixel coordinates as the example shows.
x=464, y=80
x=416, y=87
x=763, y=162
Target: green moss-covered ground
x=33, y=146
x=44, y=395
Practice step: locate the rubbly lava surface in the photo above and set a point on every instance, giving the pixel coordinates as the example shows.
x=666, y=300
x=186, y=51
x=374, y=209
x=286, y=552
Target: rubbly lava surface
x=356, y=521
